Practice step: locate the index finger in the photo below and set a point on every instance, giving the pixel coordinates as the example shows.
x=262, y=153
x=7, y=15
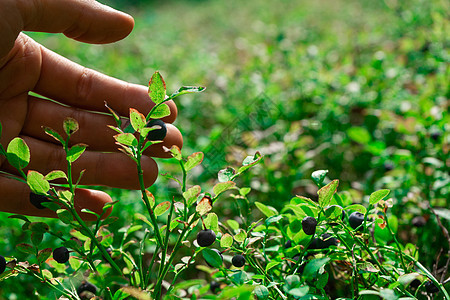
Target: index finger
x=85, y=21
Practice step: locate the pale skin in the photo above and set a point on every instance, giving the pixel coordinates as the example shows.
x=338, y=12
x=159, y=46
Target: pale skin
x=26, y=66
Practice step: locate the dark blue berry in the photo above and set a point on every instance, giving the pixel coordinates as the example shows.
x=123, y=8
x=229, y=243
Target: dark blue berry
x=206, y=238
x=86, y=287
x=356, y=219
x=238, y=260
x=309, y=225
x=37, y=200
x=157, y=134
x=2, y=264
x=61, y=255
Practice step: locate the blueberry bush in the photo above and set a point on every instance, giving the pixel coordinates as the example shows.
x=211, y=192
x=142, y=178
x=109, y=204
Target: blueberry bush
x=307, y=250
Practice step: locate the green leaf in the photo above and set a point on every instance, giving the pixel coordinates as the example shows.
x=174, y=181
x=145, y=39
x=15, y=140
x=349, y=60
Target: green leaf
x=70, y=126
x=300, y=291
x=221, y=187
x=54, y=134
x=44, y=254
x=137, y=120
x=18, y=153
x=268, y=211
x=318, y=176
x=250, y=161
x=23, y=218
x=143, y=218
x=406, y=279
x=212, y=222
x=326, y=193
x=375, y=197
x=359, y=135
x=39, y=227
x=187, y=90
x=157, y=88
x=115, y=115
x=191, y=194
x=357, y=207
x=56, y=174
x=193, y=160
x=37, y=183
x=233, y=224
x=261, y=292
x=314, y=266
x=272, y=264
x=88, y=211
x=75, y=152
x=176, y=152
x=204, y=206
x=212, y=257
x=226, y=241
x=161, y=111
x=226, y=174
x=333, y=212
x=64, y=215
x=36, y=238
x=273, y=219
x=127, y=139
x=25, y=248
x=161, y=208
x=240, y=236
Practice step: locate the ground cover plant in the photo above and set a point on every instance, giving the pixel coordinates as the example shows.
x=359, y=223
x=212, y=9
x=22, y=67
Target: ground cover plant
x=364, y=97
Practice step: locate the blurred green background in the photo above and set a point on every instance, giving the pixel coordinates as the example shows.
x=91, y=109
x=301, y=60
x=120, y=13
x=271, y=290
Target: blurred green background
x=360, y=88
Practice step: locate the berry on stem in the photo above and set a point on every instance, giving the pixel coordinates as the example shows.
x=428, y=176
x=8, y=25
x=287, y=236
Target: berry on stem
x=37, y=200
x=356, y=219
x=309, y=225
x=61, y=255
x=206, y=238
x=86, y=286
x=238, y=260
x=2, y=264
x=157, y=134
x=326, y=240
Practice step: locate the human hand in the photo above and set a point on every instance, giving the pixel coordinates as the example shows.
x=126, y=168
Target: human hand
x=27, y=66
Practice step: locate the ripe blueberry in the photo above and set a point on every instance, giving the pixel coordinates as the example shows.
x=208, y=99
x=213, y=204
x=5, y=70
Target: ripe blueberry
x=157, y=134
x=309, y=225
x=218, y=252
x=2, y=264
x=206, y=238
x=431, y=288
x=326, y=240
x=356, y=219
x=214, y=286
x=61, y=255
x=37, y=200
x=238, y=260
x=86, y=287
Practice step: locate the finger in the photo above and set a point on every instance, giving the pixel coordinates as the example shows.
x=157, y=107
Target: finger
x=94, y=130
x=15, y=198
x=71, y=84
x=106, y=169
x=86, y=21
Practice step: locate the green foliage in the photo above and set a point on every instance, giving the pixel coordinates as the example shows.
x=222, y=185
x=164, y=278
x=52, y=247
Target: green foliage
x=310, y=87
